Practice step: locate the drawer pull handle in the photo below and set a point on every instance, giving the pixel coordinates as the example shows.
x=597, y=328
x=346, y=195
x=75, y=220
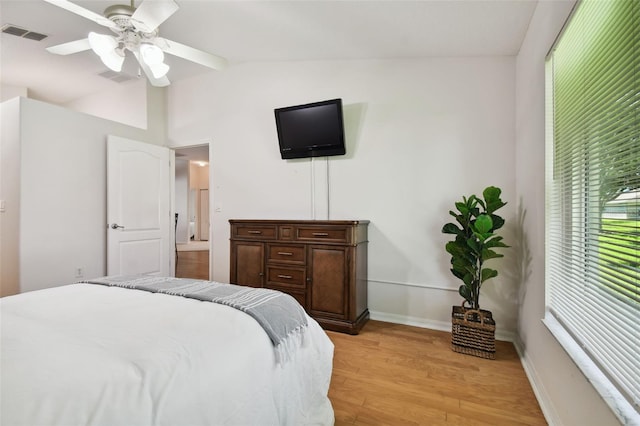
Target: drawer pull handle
x=254, y=232
x=285, y=253
x=288, y=277
x=320, y=234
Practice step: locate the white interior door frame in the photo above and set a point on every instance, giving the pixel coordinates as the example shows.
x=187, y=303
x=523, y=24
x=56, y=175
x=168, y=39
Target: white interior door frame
x=204, y=215
x=188, y=144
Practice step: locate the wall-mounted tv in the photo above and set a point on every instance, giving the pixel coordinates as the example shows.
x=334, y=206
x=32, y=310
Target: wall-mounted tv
x=311, y=130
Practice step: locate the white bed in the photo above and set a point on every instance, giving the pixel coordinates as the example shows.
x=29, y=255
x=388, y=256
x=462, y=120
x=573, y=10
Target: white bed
x=86, y=354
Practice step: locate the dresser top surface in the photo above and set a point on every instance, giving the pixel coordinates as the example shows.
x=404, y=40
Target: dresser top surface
x=300, y=221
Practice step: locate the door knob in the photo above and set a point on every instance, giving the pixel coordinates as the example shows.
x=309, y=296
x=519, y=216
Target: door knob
x=116, y=226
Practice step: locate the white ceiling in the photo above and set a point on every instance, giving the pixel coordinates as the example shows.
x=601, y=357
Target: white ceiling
x=193, y=153
x=264, y=30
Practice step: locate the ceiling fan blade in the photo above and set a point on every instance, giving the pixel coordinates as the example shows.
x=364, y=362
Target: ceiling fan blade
x=186, y=52
x=156, y=82
x=151, y=13
x=70, y=47
x=85, y=13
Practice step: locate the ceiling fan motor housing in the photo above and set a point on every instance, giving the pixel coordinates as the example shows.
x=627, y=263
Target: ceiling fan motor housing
x=119, y=14
x=128, y=35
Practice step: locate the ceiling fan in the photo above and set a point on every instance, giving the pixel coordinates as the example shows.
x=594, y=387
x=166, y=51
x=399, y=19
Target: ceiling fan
x=136, y=30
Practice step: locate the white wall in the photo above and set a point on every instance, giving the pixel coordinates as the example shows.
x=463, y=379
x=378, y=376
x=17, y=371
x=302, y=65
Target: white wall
x=420, y=134
x=182, y=201
x=9, y=92
x=566, y=397
x=62, y=187
x=134, y=103
x=198, y=181
x=126, y=103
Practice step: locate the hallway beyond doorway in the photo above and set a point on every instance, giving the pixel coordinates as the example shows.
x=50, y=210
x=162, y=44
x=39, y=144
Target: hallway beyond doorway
x=193, y=264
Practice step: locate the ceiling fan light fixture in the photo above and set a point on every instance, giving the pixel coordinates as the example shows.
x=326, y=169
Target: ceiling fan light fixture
x=106, y=47
x=151, y=54
x=113, y=60
x=159, y=70
x=101, y=43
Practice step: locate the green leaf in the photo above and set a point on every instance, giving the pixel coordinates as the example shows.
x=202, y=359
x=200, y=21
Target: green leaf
x=460, y=264
x=490, y=254
x=451, y=228
x=480, y=237
x=492, y=207
x=488, y=273
x=465, y=293
x=472, y=258
x=463, y=221
x=462, y=207
x=457, y=274
x=454, y=248
x=463, y=260
x=496, y=241
x=483, y=224
x=467, y=279
x=482, y=204
x=473, y=245
x=497, y=222
x=471, y=269
x=491, y=194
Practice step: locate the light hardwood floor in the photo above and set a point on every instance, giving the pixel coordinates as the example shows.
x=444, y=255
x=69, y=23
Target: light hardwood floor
x=394, y=374
x=193, y=264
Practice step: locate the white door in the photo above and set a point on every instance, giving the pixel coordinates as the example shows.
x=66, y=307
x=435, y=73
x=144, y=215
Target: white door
x=139, y=233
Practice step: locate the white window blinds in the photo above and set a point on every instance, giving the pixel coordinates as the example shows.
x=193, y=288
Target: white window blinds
x=593, y=188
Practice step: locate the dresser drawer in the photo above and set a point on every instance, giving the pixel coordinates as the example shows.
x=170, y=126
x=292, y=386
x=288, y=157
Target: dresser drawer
x=263, y=232
x=287, y=277
x=338, y=234
x=286, y=253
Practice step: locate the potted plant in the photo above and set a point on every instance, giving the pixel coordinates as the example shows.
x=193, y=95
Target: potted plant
x=473, y=329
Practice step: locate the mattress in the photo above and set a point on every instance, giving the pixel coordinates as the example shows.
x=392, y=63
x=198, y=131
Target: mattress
x=85, y=354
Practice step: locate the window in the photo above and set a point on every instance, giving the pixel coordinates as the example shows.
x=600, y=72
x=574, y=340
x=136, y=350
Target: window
x=593, y=197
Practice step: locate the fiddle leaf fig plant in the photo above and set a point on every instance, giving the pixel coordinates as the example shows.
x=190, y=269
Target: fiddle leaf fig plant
x=475, y=241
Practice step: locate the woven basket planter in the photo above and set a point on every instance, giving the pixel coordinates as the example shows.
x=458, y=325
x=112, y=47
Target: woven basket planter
x=473, y=332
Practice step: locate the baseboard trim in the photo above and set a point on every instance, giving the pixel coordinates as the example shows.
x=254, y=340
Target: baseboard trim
x=431, y=324
x=406, y=320
x=539, y=390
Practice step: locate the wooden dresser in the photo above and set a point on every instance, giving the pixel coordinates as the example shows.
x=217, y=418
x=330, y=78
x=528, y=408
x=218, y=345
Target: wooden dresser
x=322, y=263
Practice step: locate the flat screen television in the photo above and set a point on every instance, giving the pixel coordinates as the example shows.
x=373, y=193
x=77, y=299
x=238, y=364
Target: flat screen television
x=311, y=130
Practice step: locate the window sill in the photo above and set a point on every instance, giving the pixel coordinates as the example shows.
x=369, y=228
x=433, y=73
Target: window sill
x=621, y=407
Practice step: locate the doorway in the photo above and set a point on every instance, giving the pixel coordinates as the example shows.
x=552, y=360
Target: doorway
x=192, y=227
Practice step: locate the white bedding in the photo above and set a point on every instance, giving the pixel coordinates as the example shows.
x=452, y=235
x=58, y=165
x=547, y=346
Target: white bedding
x=87, y=354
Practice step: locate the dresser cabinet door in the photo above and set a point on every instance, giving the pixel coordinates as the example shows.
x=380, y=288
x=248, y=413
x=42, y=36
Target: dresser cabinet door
x=329, y=271
x=247, y=263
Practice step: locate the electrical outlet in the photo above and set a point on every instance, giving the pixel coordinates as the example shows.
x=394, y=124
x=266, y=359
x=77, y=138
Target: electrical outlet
x=79, y=272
